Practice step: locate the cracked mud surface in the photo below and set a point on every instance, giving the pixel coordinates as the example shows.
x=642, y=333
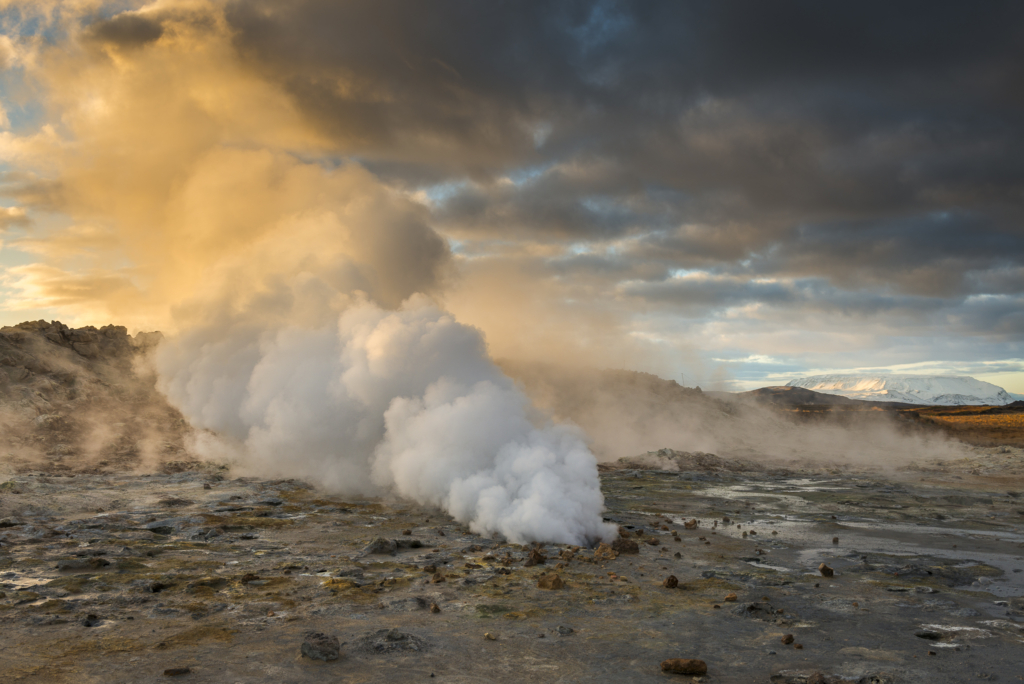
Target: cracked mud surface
x=225, y=577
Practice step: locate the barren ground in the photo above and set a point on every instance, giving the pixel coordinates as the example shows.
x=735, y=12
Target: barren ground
x=225, y=576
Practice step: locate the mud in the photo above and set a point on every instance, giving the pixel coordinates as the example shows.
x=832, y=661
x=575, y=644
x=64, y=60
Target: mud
x=226, y=577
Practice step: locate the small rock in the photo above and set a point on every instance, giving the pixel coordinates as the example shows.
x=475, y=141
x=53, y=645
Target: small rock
x=678, y=555
x=249, y=577
x=551, y=581
x=671, y=582
x=787, y=639
x=730, y=597
x=826, y=571
x=816, y=678
x=565, y=631
x=406, y=532
x=176, y=671
x=604, y=552
x=929, y=634
x=430, y=568
x=798, y=647
x=489, y=636
x=434, y=608
x=437, y=578
x=684, y=666
x=320, y=646
x=90, y=620
x=690, y=525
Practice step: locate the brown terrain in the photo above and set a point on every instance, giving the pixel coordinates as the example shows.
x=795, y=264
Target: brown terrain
x=751, y=548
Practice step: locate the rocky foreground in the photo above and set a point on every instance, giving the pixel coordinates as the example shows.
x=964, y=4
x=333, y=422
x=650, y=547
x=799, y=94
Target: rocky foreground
x=770, y=576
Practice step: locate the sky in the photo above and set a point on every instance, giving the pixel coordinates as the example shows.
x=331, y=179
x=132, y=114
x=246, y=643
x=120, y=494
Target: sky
x=731, y=195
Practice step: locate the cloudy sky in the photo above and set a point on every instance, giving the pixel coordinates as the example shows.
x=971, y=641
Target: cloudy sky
x=741, y=192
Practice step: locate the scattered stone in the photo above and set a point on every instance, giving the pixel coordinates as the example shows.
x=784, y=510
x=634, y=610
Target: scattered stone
x=565, y=631
x=625, y=546
x=787, y=639
x=929, y=634
x=249, y=577
x=489, y=636
x=434, y=608
x=176, y=671
x=671, y=582
x=690, y=525
x=407, y=532
x=604, y=552
x=731, y=597
x=535, y=558
x=175, y=502
x=437, y=578
x=678, y=555
x=684, y=666
x=86, y=564
x=835, y=540
x=826, y=571
x=90, y=620
x=798, y=647
x=551, y=581
x=320, y=646
x=391, y=640
x=382, y=546
x=430, y=568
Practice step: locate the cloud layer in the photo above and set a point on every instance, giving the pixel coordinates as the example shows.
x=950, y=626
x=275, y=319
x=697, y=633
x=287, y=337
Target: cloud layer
x=643, y=185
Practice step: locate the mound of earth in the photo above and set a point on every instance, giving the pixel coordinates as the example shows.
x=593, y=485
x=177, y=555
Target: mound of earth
x=81, y=400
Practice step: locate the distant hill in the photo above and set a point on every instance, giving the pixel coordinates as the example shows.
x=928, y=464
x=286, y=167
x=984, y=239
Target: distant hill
x=798, y=396
x=919, y=390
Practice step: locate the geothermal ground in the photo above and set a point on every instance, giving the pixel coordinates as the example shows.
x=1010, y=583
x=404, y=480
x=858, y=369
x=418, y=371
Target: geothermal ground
x=126, y=578
x=124, y=559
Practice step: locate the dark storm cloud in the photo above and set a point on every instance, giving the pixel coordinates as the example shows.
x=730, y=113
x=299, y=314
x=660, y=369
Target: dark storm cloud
x=126, y=30
x=875, y=146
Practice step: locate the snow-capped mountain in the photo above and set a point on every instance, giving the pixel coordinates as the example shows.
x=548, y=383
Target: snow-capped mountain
x=909, y=389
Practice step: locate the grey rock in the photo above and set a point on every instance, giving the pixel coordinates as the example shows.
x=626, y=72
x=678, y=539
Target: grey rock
x=382, y=546
x=320, y=646
x=389, y=640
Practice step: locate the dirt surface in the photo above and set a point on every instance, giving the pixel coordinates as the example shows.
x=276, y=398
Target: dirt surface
x=119, y=578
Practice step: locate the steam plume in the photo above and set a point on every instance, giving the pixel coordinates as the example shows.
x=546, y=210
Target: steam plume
x=404, y=401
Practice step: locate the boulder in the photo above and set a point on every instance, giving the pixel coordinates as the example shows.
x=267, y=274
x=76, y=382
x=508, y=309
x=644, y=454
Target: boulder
x=623, y=546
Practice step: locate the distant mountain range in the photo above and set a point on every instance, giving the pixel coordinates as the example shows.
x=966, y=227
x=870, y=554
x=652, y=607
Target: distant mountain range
x=927, y=390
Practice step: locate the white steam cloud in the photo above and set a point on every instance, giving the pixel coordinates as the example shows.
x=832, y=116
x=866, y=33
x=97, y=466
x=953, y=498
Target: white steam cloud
x=402, y=401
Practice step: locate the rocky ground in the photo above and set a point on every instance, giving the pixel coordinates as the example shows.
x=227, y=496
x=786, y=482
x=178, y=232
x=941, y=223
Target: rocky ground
x=198, y=577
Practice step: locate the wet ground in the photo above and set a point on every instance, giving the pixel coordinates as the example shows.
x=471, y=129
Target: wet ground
x=107, y=578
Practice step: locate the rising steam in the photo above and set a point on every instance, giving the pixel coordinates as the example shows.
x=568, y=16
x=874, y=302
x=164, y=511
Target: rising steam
x=399, y=401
